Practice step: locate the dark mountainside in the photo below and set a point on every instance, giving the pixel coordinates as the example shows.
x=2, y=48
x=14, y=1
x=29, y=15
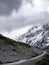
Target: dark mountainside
x=11, y=51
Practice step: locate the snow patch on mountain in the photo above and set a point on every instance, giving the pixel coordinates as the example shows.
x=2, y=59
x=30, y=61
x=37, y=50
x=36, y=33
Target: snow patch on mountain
x=37, y=35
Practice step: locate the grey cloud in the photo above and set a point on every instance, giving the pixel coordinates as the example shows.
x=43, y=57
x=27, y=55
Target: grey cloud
x=8, y=25
x=41, y=18
x=7, y=6
x=30, y=1
x=22, y=21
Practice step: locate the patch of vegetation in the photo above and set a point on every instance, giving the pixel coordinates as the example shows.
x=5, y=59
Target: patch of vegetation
x=32, y=53
x=7, y=40
x=24, y=44
x=12, y=42
x=44, y=61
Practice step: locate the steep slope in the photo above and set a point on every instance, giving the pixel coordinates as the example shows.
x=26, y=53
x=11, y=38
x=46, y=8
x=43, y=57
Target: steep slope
x=11, y=51
x=45, y=59
x=37, y=36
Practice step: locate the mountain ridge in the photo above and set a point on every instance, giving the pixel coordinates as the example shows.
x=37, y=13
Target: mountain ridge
x=11, y=51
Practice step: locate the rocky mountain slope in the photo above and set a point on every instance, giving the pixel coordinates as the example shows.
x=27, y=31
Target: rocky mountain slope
x=45, y=59
x=37, y=36
x=11, y=51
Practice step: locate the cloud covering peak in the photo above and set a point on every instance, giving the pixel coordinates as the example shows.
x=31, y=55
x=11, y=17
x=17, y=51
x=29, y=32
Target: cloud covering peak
x=26, y=12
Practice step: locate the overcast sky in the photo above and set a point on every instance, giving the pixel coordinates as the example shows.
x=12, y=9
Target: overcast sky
x=15, y=14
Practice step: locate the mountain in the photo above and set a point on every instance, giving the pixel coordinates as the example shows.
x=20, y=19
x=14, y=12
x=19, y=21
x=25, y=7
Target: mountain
x=37, y=36
x=11, y=51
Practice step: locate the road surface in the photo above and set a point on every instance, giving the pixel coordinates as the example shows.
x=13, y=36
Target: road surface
x=31, y=61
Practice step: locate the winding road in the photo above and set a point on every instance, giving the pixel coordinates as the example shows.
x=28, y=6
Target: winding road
x=31, y=61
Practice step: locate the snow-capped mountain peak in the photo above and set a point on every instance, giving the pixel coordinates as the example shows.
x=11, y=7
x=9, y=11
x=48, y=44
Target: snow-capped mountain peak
x=38, y=36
